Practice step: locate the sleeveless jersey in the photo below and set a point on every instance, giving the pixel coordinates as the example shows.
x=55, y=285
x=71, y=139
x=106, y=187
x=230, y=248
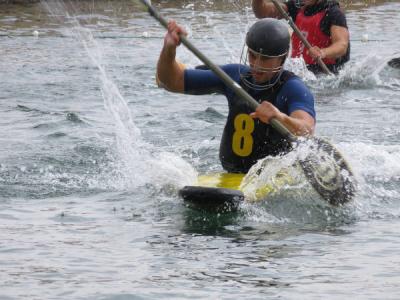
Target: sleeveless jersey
x=246, y=140
x=311, y=29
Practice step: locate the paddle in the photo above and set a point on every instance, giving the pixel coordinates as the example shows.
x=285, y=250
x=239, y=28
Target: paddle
x=394, y=62
x=324, y=166
x=300, y=35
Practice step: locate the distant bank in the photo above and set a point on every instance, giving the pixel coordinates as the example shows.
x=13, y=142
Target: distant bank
x=18, y=1
x=217, y=4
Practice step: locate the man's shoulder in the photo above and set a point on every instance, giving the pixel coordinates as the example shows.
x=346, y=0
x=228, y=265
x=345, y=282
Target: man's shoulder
x=235, y=68
x=294, y=81
x=335, y=10
x=235, y=71
x=298, y=96
x=295, y=86
x=336, y=16
x=204, y=71
x=231, y=69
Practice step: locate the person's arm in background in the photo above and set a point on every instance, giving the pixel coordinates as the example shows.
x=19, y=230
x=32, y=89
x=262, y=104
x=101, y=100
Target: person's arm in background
x=335, y=26
x=338, y=48
x=263, y=9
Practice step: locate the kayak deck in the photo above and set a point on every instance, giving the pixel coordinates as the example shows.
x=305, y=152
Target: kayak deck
x=221, y=180
x=217, y=192
x=222, y=192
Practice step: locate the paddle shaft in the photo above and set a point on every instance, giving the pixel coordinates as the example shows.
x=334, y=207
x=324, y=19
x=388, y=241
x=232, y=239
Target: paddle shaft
x=300, y=35
x=221, y=74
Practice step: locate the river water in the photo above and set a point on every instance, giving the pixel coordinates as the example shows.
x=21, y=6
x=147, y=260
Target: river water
x=93, y=153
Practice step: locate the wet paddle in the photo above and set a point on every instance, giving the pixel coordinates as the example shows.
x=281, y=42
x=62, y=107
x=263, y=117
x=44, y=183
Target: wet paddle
x=300, y=35
x=394, y=63
x=324, y=166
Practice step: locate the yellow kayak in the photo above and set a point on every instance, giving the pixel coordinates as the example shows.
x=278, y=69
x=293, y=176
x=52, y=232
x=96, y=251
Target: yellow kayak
x=235, y=181
x=221, y=192
x=222, y=180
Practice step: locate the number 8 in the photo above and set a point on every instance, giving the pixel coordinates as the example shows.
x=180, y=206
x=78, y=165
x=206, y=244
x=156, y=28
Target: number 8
x=242, y=142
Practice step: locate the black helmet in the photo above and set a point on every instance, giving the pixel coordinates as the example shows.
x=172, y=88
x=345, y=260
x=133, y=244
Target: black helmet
x=268, y=37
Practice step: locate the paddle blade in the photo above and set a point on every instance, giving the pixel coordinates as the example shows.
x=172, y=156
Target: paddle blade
x=394, y=63
x=328, y=172
x=210, y=199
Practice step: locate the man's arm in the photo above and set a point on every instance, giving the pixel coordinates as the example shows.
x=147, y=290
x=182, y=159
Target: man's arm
x=170, y=73
x=340, y=42
x=338, y=48
x=300, y=115
x=299, y=122
x=262, y=9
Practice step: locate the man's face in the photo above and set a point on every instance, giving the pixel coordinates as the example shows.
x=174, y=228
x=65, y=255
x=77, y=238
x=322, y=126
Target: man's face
x=263, y=68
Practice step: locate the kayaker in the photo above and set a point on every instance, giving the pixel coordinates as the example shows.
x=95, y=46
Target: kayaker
x=323, y=24
x=247, y=136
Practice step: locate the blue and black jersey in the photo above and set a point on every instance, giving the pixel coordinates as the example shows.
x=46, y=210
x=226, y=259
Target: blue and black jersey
x=246, y=140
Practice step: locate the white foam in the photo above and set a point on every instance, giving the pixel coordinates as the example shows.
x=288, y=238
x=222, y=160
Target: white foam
x=139, y=162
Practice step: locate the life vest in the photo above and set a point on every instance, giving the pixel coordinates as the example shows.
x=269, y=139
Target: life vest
x=310, y=26
x=246, y=140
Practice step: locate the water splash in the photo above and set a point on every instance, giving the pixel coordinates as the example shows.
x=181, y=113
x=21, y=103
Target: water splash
x=138, y=162
x=368, y=72
x=298, y=66
x=376, y=165
x=277, y=173
x=279, y=185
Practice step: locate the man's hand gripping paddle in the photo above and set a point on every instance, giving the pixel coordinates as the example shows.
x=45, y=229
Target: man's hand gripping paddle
x=324, y=166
